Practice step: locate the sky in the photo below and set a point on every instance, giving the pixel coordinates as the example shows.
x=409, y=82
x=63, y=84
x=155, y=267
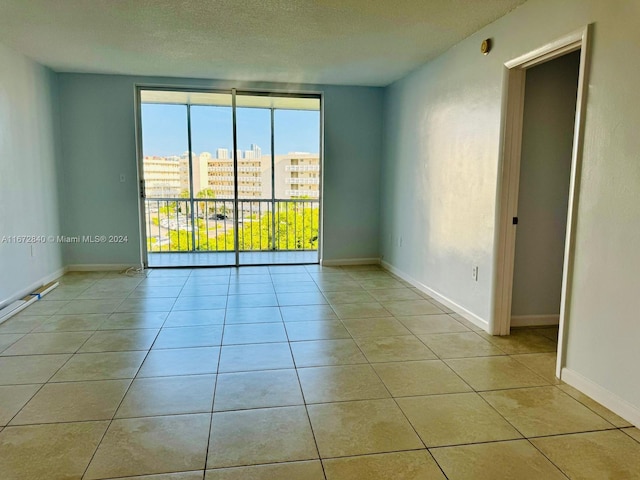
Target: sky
x=164, y=129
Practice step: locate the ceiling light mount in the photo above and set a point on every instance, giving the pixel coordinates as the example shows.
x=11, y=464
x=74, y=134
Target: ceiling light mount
x=485, y=46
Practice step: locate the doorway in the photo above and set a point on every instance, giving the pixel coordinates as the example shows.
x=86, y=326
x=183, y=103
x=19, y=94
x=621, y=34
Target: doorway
x=515, y=151
x=229, y=178
x=551, y=90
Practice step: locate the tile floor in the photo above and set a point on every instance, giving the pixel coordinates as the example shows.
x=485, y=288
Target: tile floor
x=296, y=372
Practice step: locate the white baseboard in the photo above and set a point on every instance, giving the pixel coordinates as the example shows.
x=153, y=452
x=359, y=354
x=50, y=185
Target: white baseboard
x=100, y=267
x=37, y=284
x=603, y=396
x=351, y=261
x=472, y=317
x=534, y=320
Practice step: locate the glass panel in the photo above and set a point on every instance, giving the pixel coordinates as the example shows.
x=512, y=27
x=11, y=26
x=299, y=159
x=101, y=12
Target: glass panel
x=166, y=178
x=253, y=127
x=213, y=174
x=297, y=178
x=190, y=208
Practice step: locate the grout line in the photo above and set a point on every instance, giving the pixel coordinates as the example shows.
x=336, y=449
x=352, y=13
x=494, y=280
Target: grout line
x=306, y=408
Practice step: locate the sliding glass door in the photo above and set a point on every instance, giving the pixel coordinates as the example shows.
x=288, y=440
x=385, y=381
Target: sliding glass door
x=229, y=178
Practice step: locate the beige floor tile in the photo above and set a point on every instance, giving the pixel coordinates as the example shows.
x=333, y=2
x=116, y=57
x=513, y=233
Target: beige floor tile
x=50, y=307
x=254, y=333
x=412, y=307
x=522, y=341
x=180, y=361
x=460, y=345
x=319, y=330
x=169, y=272
x=253, y=300
x=381, y=282
x=427, y=324
x=441, y=306
x=13, y=398
x=252, y=437
x=394, y=294
x=168, y=396
x=78, y=307
x=307, y=286
x=394, y=349
x=185, y=337
x=119, y=340
x=544, y=364
x=415, y=465
x=155, y=292
x=100, y=366
x=191, y=318
x=192, y=280
x=48, y=343
x=350, y=296
x=250, y=288
x=427, y=377
x=493, y=373
x=360, y=310
x=29, y=369
x=145, y=305
x=307, y=313
x=341, y=285
x=134, y=320
x=301, y=298
x=361, y=427
x=139, y=446
x=8, y=339
x=269, y=388
x=202, y=290
x=593, y=456
x=253, y=315
x=64, y=292
x=28, y=452
x=470, y=325
x=261, y=356
x=544, y=411
x=97, y=292
x=341, y=383
x=196, y=475
x=604, y=412
x=327, y=352
x=22, y=323
x=73, y=402
x=550, y=332
x=375, y=327
x=455, y=419
x=496, y=461
x=72, y=323
x=250, y=277
x=633, y=433
x=280, y=276
x=307, y=470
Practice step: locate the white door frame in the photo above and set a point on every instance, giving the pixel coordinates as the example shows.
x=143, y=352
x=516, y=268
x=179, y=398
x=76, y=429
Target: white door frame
x=513, y=108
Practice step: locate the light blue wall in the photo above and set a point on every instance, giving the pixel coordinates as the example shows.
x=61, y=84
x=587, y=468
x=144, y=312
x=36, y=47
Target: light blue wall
x=98, y=138
x=440, y=179
x=29, y=181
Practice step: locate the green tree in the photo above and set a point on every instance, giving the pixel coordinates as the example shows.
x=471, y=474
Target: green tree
x=206, y=207
x=185, y=204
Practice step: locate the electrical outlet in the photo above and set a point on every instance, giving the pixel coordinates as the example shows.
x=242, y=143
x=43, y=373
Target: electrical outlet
x=122, y=178
x=474, y=273
x=400, y=241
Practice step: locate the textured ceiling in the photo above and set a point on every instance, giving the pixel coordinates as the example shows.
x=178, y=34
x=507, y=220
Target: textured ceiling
x=352, y=42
